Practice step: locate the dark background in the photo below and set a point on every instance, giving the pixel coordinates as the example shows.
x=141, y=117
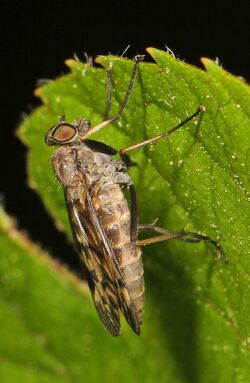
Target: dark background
x=36, y=37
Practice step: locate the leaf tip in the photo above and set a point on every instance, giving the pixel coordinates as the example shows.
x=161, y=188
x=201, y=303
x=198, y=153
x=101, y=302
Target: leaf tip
x=151, y=51
x=37, y=92
x=104, y=61
x=205, y=61
x=69, y=62
x=99, y=59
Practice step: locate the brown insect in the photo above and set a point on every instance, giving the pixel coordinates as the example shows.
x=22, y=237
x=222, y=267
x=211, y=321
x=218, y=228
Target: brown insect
x=105, y=228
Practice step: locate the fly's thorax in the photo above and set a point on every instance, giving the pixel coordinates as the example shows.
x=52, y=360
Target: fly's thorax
x=100, y=167
x=72, y=162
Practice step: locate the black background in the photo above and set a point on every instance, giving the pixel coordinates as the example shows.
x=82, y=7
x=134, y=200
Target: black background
x=36, y=37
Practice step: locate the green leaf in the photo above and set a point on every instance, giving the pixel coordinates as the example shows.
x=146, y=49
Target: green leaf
x=49, y=328
x=197, y=308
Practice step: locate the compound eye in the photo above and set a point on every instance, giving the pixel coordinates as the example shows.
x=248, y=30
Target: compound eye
x=64, y=133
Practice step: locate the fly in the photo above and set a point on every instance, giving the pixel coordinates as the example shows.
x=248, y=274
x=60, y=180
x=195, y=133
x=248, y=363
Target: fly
x=104, y=226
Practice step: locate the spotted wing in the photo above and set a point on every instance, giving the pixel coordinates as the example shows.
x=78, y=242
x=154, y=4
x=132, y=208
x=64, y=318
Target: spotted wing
x=106, y=282
x=100, y=282
x=125, y=302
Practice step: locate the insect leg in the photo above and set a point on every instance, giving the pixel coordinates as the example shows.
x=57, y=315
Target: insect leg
x=137, y=59
x=122, y=151
x=183, y=235
x=109, y=89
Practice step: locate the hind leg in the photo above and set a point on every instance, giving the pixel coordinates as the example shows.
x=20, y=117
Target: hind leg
x=182, y=235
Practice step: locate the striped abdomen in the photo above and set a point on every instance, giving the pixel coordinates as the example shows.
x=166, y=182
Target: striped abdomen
x=114, y=214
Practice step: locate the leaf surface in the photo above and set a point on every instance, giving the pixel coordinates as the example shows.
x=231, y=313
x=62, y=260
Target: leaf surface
x=197, y=308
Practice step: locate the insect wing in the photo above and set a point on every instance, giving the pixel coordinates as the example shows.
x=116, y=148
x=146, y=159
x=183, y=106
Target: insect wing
x=104, y=276
x=101, y=284
x=125, y=303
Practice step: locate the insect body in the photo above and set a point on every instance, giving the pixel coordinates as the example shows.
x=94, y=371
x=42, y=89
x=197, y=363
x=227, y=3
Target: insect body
x=104, y=227
x=100, y=221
